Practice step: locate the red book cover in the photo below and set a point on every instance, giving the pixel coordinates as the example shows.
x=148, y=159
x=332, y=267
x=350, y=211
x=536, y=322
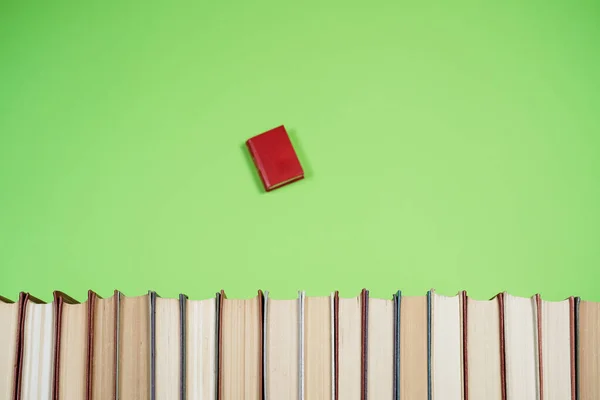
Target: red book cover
x=275, y=158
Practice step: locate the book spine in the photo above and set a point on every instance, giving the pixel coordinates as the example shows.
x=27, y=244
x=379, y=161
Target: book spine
x=261, y=304
x=152, y=317
x=397, y=298
x=538, y=309
x=91, y=306
x=500, y=298
x=465, y=355
x=364, y=344
x=23, y=300
x=572, y=332
x=429, y=334
x=336, y=345
x=577, y=301
x=182, y=346
x=258, y=164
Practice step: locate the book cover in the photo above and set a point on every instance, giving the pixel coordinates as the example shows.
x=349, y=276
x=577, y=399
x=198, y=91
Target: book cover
x=275, y=158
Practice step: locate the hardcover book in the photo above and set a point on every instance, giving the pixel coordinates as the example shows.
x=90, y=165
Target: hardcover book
x=275, y=158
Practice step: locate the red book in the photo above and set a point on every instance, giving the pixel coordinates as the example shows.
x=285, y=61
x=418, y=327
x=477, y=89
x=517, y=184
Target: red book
x=275, y=158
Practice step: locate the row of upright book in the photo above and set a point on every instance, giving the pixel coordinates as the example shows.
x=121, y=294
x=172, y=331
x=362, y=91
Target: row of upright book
x=430, y=347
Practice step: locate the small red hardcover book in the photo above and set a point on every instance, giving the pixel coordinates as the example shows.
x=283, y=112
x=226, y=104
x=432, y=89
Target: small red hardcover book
x=275, y=158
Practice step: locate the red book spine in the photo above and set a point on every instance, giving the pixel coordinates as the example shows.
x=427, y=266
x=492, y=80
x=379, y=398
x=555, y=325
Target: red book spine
x=258, y=164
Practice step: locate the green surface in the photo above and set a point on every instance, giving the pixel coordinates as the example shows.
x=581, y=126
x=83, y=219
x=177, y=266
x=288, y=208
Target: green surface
x=448, y=146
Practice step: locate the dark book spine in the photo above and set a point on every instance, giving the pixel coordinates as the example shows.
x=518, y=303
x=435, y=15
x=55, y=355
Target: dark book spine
x=182, y=345
x=364, y=344
x=577, y=301
x=465, y=354
x=91, y=307
x=397, y=298
x=500, y=298
x=429, y=312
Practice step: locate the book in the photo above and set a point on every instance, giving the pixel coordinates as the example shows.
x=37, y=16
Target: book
x=319, y=367
x=413, y=357
x=521, y=346
x=36, y=380
x=484, y=349
x=284, y=322
x=588, y=351
x=200, y=349
x=558, y=349
x=71, y=351
x=446, y=346
x=240, y=352
x=380, y=348
x=104, y=317
x=133, y=368
x=349, y=347
x=275, y=158
x=167, y=341
x=9, y=349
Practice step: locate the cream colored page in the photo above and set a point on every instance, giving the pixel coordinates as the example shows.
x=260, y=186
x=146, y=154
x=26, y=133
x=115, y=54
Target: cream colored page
x=168, y=348
x=556, y=350
x=201, y=349
x=520, y=332
x=241, y=350
x=38, y=352
x=446, y=348
x=380, y=379
x=9, y=315
x=349, y=355
x=104, y=349
x=73, y=352
x=282, y=349
x=317, y=356
x=134, y=348
x=483, y=335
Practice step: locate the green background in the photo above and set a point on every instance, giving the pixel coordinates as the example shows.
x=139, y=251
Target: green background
x=453, y=145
